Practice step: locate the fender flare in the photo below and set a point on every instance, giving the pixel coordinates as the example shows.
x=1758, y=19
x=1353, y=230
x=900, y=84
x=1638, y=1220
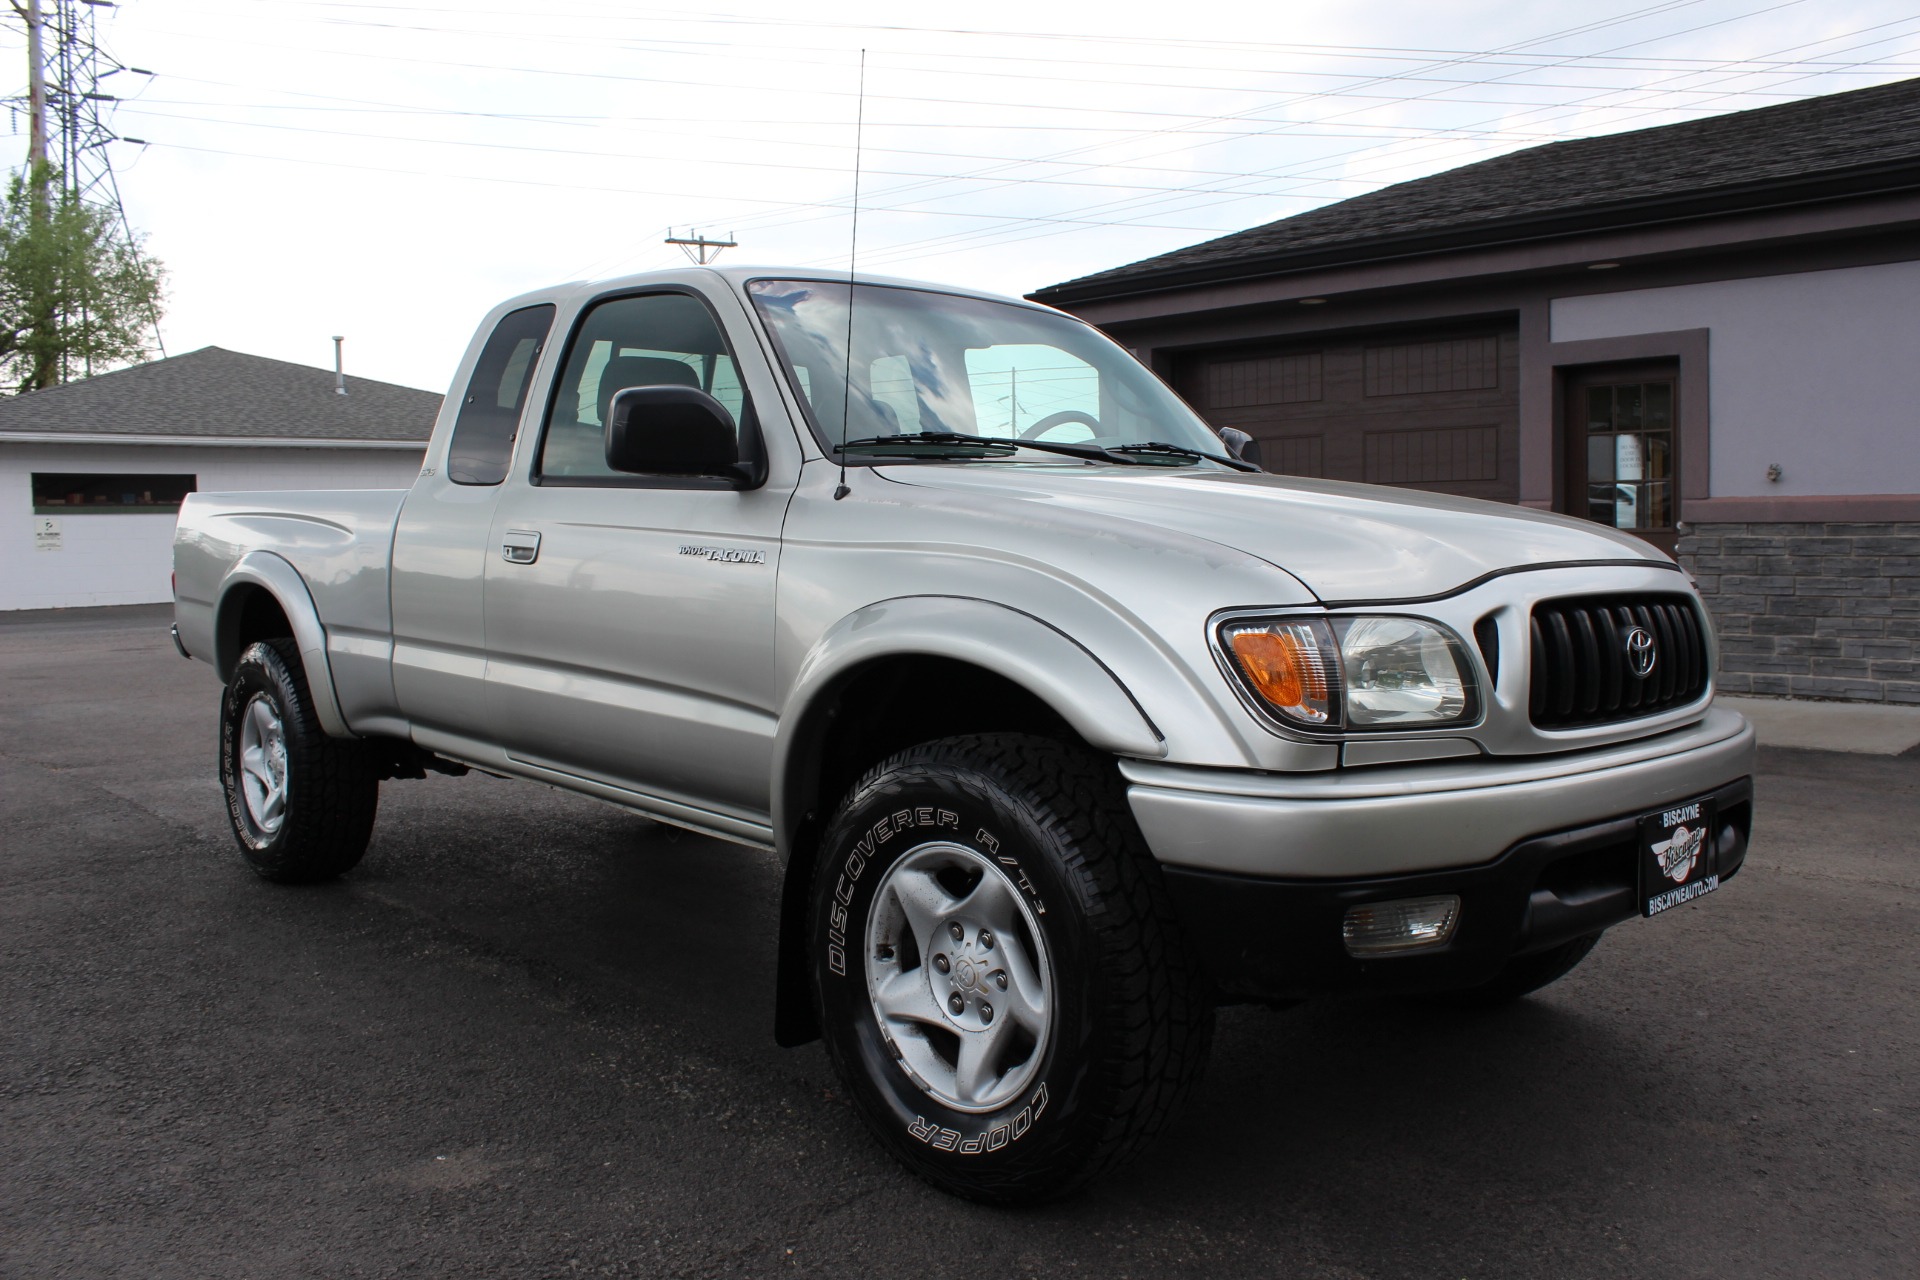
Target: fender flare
x=1040, y=658
x=279, y=579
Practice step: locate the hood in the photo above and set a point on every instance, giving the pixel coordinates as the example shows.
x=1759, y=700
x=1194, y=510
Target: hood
x=1345, y=542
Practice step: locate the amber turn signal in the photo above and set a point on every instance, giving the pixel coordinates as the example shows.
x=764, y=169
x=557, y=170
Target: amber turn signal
x=1273, y=664
x=1287, y=665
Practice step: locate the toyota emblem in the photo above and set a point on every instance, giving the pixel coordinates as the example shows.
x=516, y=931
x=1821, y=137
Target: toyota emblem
x=1641, y=654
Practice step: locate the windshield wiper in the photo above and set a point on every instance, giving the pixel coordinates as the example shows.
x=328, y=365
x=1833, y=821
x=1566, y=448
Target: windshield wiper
x=936, y=442
x=1162, y=447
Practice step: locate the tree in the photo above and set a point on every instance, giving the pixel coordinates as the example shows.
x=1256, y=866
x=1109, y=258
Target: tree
x=75, y=295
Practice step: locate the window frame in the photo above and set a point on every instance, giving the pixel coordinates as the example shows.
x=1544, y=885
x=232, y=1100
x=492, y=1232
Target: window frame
x=747, y=420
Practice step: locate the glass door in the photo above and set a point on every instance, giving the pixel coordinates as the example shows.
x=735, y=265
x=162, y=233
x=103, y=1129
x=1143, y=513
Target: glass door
x=1621, y=448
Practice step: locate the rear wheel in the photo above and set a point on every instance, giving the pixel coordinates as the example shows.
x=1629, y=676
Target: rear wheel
x=998, y=973
x=301, y=804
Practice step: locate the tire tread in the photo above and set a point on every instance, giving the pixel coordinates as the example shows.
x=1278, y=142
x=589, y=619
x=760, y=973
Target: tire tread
x=335, y=787
x=1161, y=1033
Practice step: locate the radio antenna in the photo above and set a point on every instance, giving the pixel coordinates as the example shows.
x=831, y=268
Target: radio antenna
x=853, y=257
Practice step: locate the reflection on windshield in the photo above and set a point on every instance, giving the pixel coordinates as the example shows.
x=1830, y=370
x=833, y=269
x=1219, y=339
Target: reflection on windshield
x=938, y=362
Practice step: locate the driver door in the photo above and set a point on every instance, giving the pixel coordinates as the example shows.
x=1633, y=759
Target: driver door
x=630, y=619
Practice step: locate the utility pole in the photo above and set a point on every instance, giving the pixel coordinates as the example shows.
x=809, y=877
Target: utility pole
x=698, y=247
x=36, y=105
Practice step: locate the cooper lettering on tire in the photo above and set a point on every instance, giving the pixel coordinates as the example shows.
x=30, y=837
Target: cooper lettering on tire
x=998, y=974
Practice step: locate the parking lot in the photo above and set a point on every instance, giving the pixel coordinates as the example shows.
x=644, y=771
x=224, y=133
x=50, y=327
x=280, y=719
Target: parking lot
x=530, y=1036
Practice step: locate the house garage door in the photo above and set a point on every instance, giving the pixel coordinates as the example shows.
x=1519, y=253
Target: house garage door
x=1435, y=411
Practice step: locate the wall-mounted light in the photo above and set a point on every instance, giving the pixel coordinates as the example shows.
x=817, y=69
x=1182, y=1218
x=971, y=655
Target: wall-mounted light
x=1774, y=472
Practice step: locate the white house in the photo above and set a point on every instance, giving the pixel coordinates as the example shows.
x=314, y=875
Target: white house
x=91, y=473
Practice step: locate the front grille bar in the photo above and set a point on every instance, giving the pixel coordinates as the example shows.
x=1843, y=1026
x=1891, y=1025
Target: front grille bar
x=1581, y=670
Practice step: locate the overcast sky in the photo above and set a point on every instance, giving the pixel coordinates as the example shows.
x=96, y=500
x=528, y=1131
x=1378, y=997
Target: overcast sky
x=389, y=170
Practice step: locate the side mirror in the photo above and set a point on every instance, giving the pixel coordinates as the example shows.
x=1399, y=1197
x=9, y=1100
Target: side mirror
x=673, y=430
x=1241, y=445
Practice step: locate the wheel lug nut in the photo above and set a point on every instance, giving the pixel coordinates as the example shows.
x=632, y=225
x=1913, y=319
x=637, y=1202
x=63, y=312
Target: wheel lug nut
x=1000, y=979
x=986, y=1012
x=940, y=962
x=955, y=1003
x=986, y=940
x=957, y=932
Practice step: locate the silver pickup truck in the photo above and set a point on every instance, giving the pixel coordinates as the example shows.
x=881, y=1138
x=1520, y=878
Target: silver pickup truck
x=1067, y=723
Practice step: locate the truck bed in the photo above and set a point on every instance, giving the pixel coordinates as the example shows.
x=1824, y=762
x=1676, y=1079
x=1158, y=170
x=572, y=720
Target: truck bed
x=338, y=542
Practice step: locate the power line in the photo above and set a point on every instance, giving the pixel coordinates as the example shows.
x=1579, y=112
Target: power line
x=1296, y=98
x=1435, y=68
x=611, y=190
x=544, y=149
x=953, y=240
x=1000, y=167
x=975, y=239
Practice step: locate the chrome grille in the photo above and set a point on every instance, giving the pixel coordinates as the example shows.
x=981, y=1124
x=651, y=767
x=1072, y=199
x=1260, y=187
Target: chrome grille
x=1583, y=671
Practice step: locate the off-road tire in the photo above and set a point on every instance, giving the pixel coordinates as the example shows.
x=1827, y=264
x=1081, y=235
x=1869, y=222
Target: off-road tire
x=331, y=787
x=1130, y=1018
x=1523, y=975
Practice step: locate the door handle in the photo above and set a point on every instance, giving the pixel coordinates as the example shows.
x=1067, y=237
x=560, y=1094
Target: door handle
x=520, y=546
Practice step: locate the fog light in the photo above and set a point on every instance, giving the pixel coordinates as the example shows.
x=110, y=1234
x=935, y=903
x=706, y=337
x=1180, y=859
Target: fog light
x=1406, y=924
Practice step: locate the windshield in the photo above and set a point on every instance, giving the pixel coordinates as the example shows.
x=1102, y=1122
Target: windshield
x=938, y=362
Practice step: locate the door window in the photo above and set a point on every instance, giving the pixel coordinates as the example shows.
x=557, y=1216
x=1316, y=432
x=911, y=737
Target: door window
x=657, y=339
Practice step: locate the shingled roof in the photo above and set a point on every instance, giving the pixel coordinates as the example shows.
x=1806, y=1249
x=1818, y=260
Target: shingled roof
x=1845, y=143
x=214, y=392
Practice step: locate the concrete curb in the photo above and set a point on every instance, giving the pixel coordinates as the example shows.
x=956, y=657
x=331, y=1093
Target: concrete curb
x=1866, y=728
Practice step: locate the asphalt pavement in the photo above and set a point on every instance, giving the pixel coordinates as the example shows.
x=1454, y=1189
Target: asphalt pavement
x=530, y=1036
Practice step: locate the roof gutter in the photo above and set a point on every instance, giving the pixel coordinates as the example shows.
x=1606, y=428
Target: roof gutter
x=205, y=442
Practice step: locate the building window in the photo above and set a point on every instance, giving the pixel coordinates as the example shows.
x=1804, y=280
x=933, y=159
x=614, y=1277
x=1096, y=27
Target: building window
x=142, y=493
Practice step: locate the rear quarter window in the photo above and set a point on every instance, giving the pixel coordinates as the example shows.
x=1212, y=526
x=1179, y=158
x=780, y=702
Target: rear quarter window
x=483, y=434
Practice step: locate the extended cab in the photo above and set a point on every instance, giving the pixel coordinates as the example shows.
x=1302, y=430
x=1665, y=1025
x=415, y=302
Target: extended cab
x=1067, y=722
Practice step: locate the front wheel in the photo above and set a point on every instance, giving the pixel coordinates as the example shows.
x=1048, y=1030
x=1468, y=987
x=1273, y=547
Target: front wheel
x=301, y=804
x=998, y=973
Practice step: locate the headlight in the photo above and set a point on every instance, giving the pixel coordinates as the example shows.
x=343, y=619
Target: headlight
x=1354, y=672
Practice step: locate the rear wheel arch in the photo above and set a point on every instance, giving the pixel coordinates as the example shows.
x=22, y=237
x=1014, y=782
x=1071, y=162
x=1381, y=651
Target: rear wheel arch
x=265, y=598
x=248, y=613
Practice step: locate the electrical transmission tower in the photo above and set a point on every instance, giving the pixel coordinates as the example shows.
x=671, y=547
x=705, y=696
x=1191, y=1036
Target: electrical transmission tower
x=69, y=95
x=68, y=103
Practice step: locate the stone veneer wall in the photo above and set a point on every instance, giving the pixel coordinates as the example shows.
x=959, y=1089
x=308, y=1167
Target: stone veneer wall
x=1813, y=610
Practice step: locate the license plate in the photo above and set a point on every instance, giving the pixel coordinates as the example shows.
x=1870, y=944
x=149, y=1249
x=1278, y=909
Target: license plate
x=1677, y=863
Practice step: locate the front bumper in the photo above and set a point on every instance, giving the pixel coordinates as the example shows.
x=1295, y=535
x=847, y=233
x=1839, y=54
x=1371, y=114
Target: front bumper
x=1263, y=868
x=1280, y=939
x=1396, y=819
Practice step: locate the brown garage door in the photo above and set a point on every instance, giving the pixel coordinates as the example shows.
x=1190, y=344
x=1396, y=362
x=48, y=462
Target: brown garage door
x=1433, y=411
